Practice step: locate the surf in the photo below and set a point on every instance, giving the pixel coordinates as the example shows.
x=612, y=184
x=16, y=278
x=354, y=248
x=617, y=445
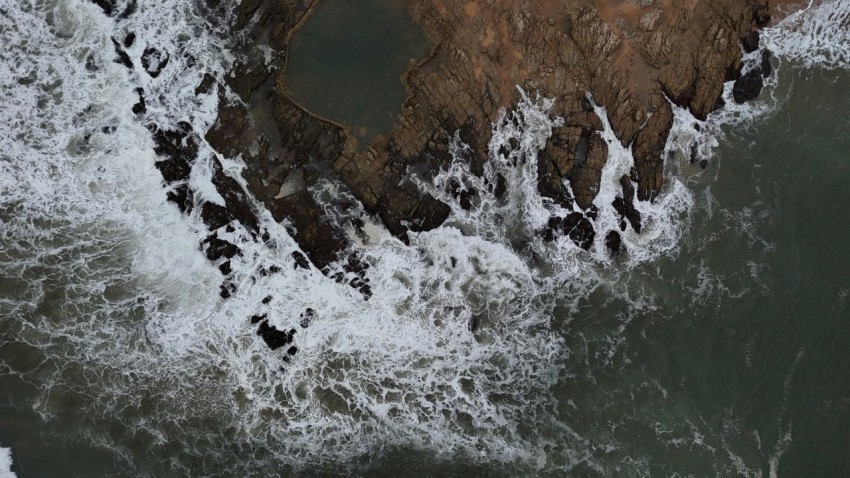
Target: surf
x=454, y=353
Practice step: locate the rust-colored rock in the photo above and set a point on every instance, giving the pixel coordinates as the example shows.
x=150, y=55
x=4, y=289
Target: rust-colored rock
x=632, y=58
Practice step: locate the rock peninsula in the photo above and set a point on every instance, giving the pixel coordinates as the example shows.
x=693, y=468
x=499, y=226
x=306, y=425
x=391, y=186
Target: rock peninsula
x=635, y=58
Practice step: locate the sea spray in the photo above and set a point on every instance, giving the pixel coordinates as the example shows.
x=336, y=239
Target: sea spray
x=6, y=463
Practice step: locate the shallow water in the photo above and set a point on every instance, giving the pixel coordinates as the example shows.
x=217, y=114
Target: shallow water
x=716, y=348
x=346, y=62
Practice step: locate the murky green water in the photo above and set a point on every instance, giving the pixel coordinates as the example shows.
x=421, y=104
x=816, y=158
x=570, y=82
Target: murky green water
x=347, y=61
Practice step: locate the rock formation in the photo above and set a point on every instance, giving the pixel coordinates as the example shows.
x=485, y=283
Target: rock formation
x=632, y=57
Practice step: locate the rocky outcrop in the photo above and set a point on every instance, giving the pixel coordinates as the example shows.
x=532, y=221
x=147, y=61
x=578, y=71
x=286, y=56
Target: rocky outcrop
x=749, y=85
x=632, y=58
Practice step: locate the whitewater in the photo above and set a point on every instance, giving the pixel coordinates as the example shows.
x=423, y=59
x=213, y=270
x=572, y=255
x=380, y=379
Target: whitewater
x=457, y=353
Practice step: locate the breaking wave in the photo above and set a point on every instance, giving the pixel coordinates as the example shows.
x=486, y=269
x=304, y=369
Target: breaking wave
x=6, y=463
x=455, y=353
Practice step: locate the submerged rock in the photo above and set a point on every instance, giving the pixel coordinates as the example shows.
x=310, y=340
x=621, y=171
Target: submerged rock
x=140, y=107
x=575, y=225
x=121, y=55
x=273, y=337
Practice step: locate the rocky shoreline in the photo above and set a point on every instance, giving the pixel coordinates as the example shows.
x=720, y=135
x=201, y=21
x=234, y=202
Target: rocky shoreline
x=634, y=58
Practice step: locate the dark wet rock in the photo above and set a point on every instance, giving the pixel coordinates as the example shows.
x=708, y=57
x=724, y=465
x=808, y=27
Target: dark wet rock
x=130, y=9
x=575, y=225
x=129, y=40
x=580, y=230
x=625, y=206
x=91, y=63
x=122, y=56
x=614, y=243
x=694, y=153
x=225, y=268
x=256, y=319
x=761, y=15
x=267, y=299
x=237, y=205
x=108, y=6
x=406, y=209
x=575, y=153
x=183, y=197
x=226, y=290
x=648, y=151
x=215, y=215
x=181, y=149
x=501, y=186
x=307, y=317
x=273, y=337
x=750, y=41
x=246, y=10
x=566, y=53
x=749, y=86
x=247, y=77
x=206, y=85
x=217, y=248
x=719, y=104
x=464, y=196
x=140, y=107
x=586, y=175
x=474, y=323
x=592, y=212
x=154, y=61
x=320, y=241
x=300, y=138
x=300, y=260
x=766, y=68
x=178, y=149
x=354, y=274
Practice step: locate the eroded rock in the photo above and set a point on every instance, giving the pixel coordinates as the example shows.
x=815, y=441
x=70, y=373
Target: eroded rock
x=631, y=64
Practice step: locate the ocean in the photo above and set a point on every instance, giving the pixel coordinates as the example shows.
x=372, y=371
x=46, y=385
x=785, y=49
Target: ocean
x=715, y=345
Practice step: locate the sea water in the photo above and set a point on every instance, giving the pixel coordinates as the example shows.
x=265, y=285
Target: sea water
x=346, y=62
x=714, y=346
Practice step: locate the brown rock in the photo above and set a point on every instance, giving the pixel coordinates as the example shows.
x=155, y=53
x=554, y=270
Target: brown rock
x=628, y=58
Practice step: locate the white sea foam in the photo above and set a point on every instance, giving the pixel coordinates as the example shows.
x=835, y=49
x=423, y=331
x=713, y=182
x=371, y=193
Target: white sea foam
x=402, y=369
x=817, y=36
x=6, y=463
